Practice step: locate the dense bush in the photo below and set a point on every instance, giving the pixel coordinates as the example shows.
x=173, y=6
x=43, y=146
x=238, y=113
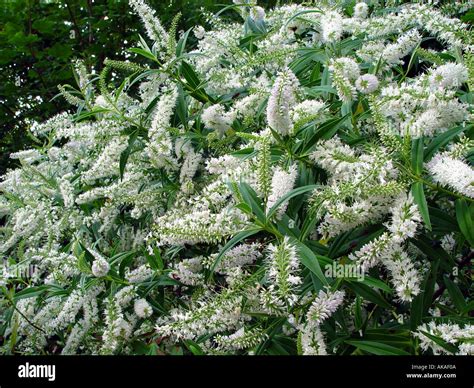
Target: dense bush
x=298, y=182
x=38, y=40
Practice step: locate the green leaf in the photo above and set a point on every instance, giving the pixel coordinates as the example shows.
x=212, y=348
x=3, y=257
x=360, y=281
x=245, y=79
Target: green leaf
x=144, y=53
x=442, y=140
x=44, y=26
x=232, y=6
x=391, y=337
x=368, y=293
x=447, y=346
x=300, y=13
x=182, y=107
x=469, y=307
x=155, y=260
x=429, y=288
x=417, y=156
x=313, y=215
x=165, y=280
x=377, y=348
x=14, y=332
x=416, y=311
x=30, y=292
x=180, y=46
x=455, y=293
x=377, y=283
x=193, y=84
x=442, y=221
x=257, y=27
x=119, y=257
x=120, y=89
x=83, y=264
x=126, y=262
x=61, y=51
x=338, y=244
x=465, y=220
x=245, y=208
x=126, y=153
x=251, y=199
x=325, y=131
x=358, y=321
x=316, y=91
x=190, y=75
x=288, y=196
x=194, y=348
x=88, y=114
x=422, y=302
x=425, y=244
x=310, y=260
x=418, y=193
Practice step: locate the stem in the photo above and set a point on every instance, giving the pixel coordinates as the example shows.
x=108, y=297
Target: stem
x=23, y=315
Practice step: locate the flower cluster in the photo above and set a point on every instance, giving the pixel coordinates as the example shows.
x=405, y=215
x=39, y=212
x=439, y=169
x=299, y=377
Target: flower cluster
x=450, y=333
x=388, y=249
x=283, y=273
x=451, y=172
x=194, y=207
x=311, y=337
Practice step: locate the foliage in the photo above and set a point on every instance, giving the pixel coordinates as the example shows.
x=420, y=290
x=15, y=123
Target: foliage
x=38, y=40
x=297, y=182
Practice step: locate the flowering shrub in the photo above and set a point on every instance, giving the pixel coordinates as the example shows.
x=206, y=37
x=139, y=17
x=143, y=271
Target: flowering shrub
x=197, y=206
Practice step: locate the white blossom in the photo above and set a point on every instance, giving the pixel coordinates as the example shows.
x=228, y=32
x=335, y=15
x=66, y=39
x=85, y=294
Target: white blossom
x=169, y=189
x=361, y=10
x=282, y=97
x=450, y=75
x=451, y=333
x=367, y=83
x=199, y=32
x=160, y=146
x=454, y=173
x=325, y=304
x=282, y=183
x=215, y=117
x=312, y=341
x=100, y=267
x=142, y=308
x=241, y=339
x=344, y=72
x=283, y=272
x=331, y=26
x=257, y=13
x=153, y=26
x=393, y=53
x=306, y=111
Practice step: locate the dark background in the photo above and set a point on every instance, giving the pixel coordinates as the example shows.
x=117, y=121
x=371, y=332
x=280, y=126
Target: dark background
x=187, y=371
